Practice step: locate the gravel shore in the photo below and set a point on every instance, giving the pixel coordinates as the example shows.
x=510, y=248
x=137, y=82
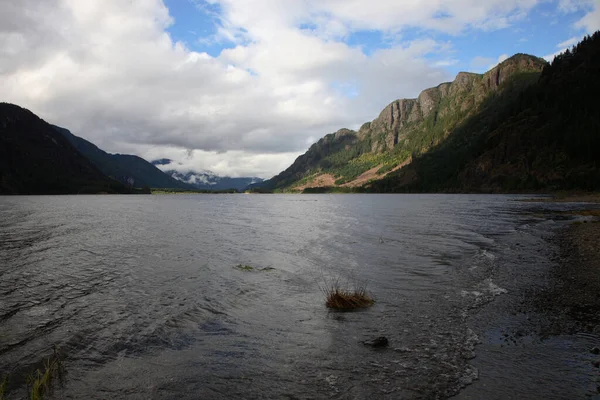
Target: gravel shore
x=575, y=291
x=542, y=339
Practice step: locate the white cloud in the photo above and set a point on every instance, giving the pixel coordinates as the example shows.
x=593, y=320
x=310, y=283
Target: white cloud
x=568, y=43
x=446, y=63
x=232, y=163
x=107, y=70
x=484, y=64
x=502, y=57
x=481, y=62
x=562, y=46
x=591, y=21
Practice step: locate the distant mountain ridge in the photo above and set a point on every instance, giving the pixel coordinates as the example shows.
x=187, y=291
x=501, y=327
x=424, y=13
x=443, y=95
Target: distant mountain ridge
x=404, y=130
x=206, y=180
x=130, y=170
x=40, y=158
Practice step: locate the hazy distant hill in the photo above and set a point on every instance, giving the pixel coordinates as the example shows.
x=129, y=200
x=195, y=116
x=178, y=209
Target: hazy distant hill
x=129, y=169
x=36, y=159
x=207, y=180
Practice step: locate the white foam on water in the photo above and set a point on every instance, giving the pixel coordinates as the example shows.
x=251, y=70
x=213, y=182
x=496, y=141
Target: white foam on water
x=495, y=289
x=474, y=293
x=489, y=255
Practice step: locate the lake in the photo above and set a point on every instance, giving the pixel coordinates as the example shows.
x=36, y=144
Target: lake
x=144, y=297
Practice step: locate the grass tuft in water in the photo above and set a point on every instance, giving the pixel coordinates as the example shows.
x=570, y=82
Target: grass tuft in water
x=344, y=299
x=42, y=382
x=3, y=387
x=243, y=267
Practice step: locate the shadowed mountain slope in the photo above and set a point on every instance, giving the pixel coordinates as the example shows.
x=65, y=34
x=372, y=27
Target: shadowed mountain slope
x=128, y=169
x=36, y=159
x=546, y=138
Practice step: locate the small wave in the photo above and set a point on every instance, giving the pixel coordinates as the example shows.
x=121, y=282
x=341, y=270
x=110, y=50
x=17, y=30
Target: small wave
x=475, y=293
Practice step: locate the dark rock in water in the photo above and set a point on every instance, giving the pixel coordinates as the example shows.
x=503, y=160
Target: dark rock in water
x=381, y=341
x=596, y=364
x=595, y=350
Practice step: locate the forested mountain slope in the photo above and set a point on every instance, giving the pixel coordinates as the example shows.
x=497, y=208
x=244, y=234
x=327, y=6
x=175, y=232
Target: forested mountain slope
x=547, y=138
x=524, y=125
x=405, y=129
x=36, y=159
x=128, y=169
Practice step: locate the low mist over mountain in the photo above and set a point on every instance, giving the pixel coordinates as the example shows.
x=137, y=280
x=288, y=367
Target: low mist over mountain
x=205, y=180
x=128, y=169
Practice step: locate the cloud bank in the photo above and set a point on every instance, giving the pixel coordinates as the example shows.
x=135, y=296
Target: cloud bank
x=110, y=72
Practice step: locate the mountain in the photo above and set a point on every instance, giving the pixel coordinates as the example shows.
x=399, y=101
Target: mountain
x=207, y=180
x=405, y=129
x=525, y=125
x=546, y=138
x=131, y=170
x=36, y=159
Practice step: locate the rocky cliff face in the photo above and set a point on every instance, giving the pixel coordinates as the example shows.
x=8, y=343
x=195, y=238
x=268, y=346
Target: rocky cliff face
x=526, y=134
x=462, y=95
x=407, y=126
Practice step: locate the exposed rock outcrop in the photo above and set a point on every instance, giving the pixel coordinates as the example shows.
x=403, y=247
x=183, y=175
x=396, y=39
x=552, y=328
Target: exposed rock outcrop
x=415, y=124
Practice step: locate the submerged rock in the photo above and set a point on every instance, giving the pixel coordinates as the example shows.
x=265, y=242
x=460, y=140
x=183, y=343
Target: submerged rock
x=595, y=350
x=381, y=341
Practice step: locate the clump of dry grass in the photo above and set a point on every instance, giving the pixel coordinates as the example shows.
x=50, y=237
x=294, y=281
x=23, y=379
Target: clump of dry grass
x=344, y=299
x=42, y=382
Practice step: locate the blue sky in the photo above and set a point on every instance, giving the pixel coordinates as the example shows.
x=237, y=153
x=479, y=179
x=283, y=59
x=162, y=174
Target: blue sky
x=242, y=87
x=540, y=32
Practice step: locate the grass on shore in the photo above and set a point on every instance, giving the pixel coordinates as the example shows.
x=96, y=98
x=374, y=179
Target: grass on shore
x=42, y=383
x=343, y=299
x=3, y=387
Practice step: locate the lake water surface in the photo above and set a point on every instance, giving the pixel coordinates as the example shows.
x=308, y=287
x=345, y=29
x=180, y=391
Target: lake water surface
x=142, y=296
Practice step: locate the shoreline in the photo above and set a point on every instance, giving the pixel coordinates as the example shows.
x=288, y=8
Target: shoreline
x=539, y=340
x=567, y=197
x=576, y=279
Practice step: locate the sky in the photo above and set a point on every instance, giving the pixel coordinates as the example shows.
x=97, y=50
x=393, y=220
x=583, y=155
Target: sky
x=243, y=87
